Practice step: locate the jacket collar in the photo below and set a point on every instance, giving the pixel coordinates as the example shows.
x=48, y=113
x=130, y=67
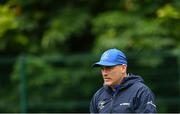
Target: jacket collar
x=126, y=82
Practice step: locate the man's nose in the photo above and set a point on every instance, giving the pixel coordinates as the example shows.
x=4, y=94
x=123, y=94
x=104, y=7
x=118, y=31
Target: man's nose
x=105, y=72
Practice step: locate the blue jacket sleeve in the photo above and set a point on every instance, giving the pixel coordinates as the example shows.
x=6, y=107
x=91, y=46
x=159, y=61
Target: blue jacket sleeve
x=145, y=102
x=93, y=106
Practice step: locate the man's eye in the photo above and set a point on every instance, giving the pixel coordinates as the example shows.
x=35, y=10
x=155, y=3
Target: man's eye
x=107, y=67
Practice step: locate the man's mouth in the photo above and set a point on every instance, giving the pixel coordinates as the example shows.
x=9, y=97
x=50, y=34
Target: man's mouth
x=107, y=79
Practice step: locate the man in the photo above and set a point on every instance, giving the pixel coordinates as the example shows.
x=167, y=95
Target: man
x=122, y=92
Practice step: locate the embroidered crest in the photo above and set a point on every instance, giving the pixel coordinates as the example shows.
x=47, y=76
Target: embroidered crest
x=105, y=56
x=101, y=104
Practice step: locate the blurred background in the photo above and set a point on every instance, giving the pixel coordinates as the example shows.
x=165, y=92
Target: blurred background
x=47, y=48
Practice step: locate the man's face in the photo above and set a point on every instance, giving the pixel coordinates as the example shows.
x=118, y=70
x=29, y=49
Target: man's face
x=113, y=75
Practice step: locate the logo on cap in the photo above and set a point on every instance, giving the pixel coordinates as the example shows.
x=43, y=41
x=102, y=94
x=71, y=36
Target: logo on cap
x=105, y=56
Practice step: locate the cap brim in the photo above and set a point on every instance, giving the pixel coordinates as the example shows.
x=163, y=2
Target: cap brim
x=98, y=64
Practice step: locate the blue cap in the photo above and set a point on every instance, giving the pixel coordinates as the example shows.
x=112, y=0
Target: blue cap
x=111, y=57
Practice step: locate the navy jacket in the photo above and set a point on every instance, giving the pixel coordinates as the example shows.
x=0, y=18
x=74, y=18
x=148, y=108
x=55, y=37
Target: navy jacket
x=131, y=96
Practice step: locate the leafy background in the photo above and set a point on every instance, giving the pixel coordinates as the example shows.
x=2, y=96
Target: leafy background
x=47, y=49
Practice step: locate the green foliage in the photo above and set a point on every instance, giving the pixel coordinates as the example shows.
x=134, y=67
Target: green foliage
x=145, y=28
x=48, y=83
x=7, y=22
x=134, y=33
x=7, y=19
x=168, y=11
x=68, y=22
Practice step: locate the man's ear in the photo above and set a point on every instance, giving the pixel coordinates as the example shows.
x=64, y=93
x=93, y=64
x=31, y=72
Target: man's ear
x=124, y=68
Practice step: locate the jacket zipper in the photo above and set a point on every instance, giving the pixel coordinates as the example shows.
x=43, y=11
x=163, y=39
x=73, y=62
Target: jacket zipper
x=112, y=102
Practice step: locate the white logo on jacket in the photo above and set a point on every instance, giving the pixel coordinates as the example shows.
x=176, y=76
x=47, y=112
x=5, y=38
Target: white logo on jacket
x=124, y=104
x=101, y=104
